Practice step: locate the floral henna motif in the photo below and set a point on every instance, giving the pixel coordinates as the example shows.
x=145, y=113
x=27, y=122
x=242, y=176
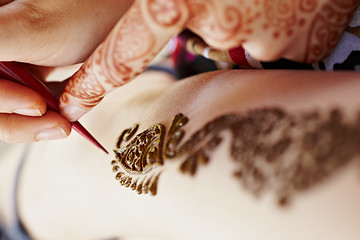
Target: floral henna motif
x=271, y=149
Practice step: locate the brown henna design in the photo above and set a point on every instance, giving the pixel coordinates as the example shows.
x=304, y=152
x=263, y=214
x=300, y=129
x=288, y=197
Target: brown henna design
x=85, y=86
x=127, y=51
x=327, y=27
x=131, y=40
x=164, y=12
x=272, y=150
x=308, y=5
x=280, y=13
x=149, y=24
x=233, y=23
x=138, y=158
x=220, y=22
x=287, y=15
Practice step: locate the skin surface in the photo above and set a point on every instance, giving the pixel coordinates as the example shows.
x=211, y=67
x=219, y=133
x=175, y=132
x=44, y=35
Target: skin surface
x=213, y=204
x=267, y=29
x=55, y=33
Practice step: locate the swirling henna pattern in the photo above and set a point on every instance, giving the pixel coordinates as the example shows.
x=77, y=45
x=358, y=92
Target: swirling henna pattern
x=138, y=158
x=131, y=40
x=127, y=51
x=111, y=61
x=90, y=91
x=286, y=15
x=308, y=5
x=164, y=12
x=327, y=27
x=220, y=22
x=272, y=150
x=145, y=153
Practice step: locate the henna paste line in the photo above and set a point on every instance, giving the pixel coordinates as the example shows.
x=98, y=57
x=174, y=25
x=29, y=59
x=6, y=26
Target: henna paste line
x=273, y=150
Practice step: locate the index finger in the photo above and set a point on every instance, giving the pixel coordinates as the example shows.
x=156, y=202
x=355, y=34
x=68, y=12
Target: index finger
x=125, y=53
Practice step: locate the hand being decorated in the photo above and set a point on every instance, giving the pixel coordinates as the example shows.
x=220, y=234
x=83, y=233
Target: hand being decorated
x=299, y=30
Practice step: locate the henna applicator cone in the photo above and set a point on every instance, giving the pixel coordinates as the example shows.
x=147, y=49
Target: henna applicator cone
x=17, y=72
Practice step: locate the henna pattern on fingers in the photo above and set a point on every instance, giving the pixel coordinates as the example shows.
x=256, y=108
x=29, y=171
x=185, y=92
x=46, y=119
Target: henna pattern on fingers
x=132, y=40
x=271, y=150
x=127, y=51
x=149, y=24
x=85, y=86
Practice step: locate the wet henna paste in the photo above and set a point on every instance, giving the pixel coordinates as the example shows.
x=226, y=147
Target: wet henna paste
x=273, y=150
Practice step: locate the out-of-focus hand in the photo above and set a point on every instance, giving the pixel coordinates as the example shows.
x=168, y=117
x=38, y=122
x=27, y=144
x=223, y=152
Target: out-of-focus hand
x=55, y=32
x=23, y=116
x=300, y=30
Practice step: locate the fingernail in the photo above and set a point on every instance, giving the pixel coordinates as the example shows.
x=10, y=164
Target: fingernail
x=28, y=112
x=51, y=134
x=72, y=113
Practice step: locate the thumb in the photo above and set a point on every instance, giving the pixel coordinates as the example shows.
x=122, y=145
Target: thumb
x=125, y=53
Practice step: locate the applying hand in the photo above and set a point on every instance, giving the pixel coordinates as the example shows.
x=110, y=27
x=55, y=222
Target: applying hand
x=23, y=116
x=48, y=33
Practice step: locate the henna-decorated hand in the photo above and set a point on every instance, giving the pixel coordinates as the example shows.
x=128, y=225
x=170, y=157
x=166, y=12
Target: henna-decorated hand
x=56, y=32
x=300, y=30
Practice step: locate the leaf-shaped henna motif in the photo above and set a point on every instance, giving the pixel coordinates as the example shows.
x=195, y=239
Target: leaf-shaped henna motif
x=139, y=157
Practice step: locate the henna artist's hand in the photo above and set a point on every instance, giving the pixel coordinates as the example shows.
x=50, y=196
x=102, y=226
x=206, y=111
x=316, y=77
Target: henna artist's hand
x=48, y=33
x=300, y=30
x=56, y=32
x=23, y=116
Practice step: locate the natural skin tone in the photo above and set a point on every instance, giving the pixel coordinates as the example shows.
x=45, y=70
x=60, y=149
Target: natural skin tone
x=267, y=29
x=68, y=190
x=54, y=33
